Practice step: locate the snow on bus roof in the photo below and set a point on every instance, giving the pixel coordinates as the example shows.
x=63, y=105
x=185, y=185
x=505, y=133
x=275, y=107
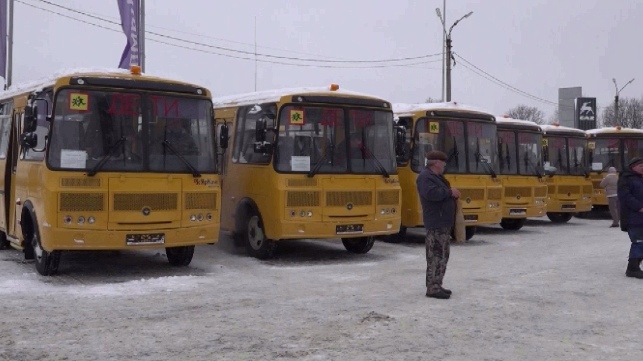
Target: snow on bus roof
x=408, y=108
x=39, y=84
x=274, y=95
x=508, y=120
x=610, y=130
x=550, y=127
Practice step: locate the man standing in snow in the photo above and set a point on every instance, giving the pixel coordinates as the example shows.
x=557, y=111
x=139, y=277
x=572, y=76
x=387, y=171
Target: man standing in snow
x=438, y=214
x=630, y=197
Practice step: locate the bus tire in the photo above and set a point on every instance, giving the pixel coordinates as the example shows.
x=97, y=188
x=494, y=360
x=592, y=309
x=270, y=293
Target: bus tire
x=179, y=256
x=559, y=217
x=4, y=243
x=46, y=262
x=469, y=232
x=257, y=244
x=359, y=245
x=397, y=237
x=512, y=224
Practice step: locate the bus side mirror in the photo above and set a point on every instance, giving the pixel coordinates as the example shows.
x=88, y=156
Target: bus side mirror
x=28, y=140
x=263, y=148
x=260, y=130
x=31, y=118
x=223, y=136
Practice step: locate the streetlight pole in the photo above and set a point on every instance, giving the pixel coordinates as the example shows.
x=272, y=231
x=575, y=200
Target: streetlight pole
x=444, y=42
x=618, y=91
x=449, y=56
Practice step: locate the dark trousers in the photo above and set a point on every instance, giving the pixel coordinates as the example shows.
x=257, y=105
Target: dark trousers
x=636, y=236
x=437, y=244
x=612, y=203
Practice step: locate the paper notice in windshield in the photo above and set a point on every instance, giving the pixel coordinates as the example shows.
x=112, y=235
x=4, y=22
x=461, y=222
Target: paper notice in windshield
x=71, y=158
x=300, y=163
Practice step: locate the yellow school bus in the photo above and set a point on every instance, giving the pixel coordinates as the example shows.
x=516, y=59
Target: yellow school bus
x=520, y=163
x=92, y=161
x=569, y=190
x=610, y=147
x=468, y=137
x=308, y=163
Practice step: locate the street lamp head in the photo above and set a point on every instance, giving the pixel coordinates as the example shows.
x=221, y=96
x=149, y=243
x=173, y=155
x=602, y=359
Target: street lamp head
x=469, y=14
x=614, y=81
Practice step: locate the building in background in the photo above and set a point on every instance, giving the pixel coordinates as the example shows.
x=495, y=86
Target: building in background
x=576, y=111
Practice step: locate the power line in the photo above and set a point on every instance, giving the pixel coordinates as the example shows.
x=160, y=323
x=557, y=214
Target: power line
x=299, y=59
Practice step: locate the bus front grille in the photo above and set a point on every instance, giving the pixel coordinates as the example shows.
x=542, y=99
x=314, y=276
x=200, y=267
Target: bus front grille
x=302, y=199
x=540, y=191
x=388, y=198
x=568, y=189
x=302, y=182
x=136, y=201
x=341, y=199
x=494, y=194
x=517, y=191
x=81, y=202
x=473, y=194
x=201, y=201
x=80, y=182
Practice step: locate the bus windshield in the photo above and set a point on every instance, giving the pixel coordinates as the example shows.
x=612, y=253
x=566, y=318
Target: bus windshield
x=507, y=152
x=313, y=139
x=529, y=153
x=556, y=155
x=471, y=147
x=113, y=131
x=605, y=154
x=577, y=162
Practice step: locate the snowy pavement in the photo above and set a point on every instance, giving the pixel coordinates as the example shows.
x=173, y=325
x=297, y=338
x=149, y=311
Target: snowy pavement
x=545, y=292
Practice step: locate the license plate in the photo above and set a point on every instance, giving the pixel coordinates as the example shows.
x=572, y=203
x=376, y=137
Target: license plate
x=143, y=239
x=349, y=229
x=470, y=217
x=517, y=211
x=568, y=206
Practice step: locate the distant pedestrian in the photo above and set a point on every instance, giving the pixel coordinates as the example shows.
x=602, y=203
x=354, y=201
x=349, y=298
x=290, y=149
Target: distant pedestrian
x=609, y=183
x=438, y=214
x=630, y=196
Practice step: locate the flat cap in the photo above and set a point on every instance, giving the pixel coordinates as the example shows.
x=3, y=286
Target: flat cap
x=634, y=161
x=437, y=155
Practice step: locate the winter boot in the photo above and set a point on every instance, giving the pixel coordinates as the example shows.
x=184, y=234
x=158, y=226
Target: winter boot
x=634, y=269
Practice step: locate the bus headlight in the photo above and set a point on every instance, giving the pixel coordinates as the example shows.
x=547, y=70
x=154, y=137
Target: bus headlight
x=91, y=220
x=199, y=217
x=81, y=220
x=539, y=202
x=494, y=204
x=192, y=217
x=67, y=219
x=586, y=198
x=208, y=216
x=309, y=214
x=302, y=214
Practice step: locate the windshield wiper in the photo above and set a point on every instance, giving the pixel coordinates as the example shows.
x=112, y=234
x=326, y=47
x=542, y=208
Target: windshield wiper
x=529, y=162
x=377, y=162
x=195, y=173
x=480, y=159
x=103, y=160
x=319, y=163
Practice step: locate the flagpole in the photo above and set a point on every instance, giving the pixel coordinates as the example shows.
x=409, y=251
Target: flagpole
x=10, y=49
x=141, y=35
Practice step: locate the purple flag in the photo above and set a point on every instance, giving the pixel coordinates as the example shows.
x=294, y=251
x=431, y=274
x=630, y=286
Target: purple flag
x=129, y=10
x=3, y=38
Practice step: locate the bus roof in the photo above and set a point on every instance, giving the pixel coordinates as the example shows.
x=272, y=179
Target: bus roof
x=517, y=123
x=275, y=95
x=614, y=131
x=105, y=73
x=559, y=129
x=407, y=109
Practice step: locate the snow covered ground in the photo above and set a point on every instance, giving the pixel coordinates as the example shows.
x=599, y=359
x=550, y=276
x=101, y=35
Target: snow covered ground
x=546, y=292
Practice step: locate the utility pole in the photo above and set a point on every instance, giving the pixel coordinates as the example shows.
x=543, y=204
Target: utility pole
x=450, y=56
x=618, y=91
x=10, y=49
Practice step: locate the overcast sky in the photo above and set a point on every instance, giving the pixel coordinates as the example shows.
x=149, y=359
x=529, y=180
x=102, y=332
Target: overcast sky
x=534, y=47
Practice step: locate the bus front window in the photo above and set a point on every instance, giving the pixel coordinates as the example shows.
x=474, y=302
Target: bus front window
x=529, y=153
x=324, y=139
x=481, y=148
x=557, y=155
x=605, y=154
x=102, y=131
x=507, y=152
x=577, y=148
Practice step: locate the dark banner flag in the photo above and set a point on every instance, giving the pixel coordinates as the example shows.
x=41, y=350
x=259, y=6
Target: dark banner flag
x=3, y=38
x=129, y=10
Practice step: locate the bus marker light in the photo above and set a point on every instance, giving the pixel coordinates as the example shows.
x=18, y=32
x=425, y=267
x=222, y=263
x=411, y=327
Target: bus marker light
x=334, y=87
x=135, y=70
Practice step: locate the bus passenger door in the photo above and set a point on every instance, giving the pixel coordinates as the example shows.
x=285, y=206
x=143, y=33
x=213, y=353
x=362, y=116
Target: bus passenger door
x=5, y=171
x=13, y=206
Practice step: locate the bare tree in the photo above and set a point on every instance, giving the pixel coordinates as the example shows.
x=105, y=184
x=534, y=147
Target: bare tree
x=554, y=118
x=630, y=114
x=525, y=112
x=432, y=100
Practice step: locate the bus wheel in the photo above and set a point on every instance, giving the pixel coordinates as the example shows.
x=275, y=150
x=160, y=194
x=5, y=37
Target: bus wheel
x=397, y=237
x=469, y=232
x=46, y=262
x=179, y=256
x=513, y=224
x=559, y=217
x=4, y=243
x=359, y=245
x=257, y=244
